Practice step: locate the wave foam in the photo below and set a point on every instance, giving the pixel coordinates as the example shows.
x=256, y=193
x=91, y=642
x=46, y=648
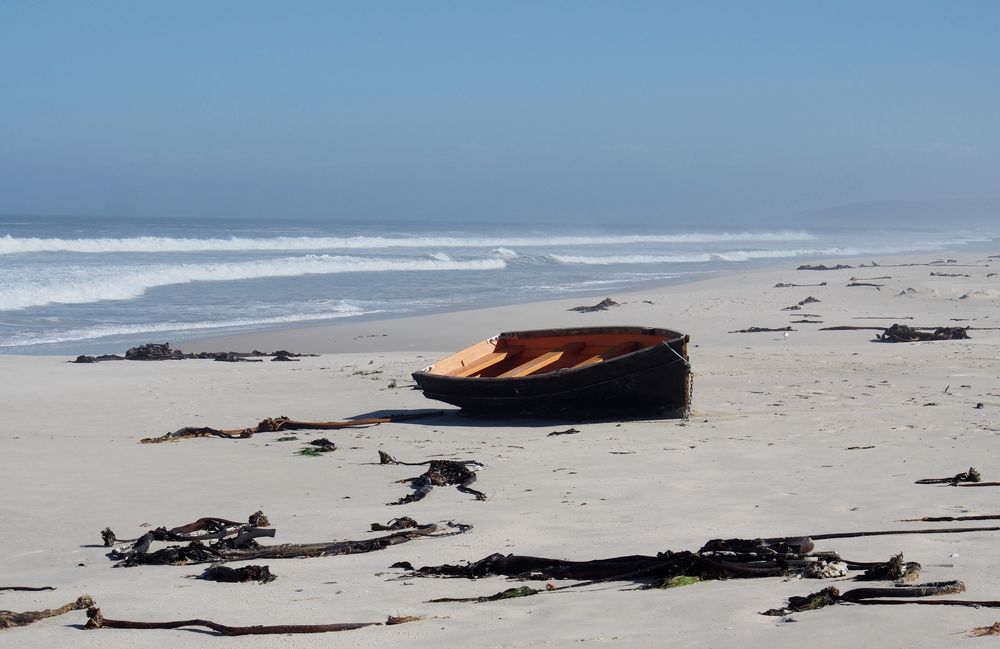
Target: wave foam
x=83, y=285
x=12, y=245
x=107, y=331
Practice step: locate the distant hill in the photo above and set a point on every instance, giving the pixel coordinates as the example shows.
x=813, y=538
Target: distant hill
x=931, y=213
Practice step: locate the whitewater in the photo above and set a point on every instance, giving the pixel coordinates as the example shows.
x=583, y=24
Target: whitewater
x=86, y=285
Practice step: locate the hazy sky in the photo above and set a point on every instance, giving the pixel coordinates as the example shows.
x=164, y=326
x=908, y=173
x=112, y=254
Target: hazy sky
x=683, y=111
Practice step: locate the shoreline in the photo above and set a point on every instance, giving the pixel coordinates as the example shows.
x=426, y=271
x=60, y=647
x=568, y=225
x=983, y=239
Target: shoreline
x=422, y=331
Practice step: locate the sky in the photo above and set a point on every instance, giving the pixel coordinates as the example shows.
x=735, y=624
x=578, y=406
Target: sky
x=480, y=110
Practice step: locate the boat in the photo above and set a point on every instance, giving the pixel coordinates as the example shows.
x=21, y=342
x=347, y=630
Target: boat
x=581, y=372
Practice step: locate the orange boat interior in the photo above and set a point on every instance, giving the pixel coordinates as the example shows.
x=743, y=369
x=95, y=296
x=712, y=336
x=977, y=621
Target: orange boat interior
x=520, y=357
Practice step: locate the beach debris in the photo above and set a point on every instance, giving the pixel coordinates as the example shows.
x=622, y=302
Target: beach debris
x=783, y=285
x=439, y=473
x=209, y=527
x=972, y=475
x=898, y=333
x=717, y=559
x=807, y=322
x=318, y=447
x=98, y=621
x=10, y=619
x=401, y=523
x=243, y=547
x=859, y=448
x=568, y=431
x=983, y=631
x=869, y=279
x=830, y=596
x=933, y=274
x=28, y=588
x=822, y=267
x=244, y=574
x=603, y=305
x=282, y=423
x=877, y=287
x=164, y=352
x=755, y=330
x=510, y=593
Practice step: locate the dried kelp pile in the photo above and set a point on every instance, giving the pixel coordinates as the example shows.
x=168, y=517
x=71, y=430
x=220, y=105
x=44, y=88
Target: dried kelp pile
x=236, y=542
x=603, y=305
x=164, y=352
x=280, y=424
x=898, y=333
x=439, y=473
x=716, y=560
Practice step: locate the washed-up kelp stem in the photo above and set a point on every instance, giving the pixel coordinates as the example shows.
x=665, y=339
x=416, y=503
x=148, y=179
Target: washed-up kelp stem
x=27, y=588
x=98, y=621
x=830, y=596
x=209, y=527
x=282, y=423
x=941, y=530
x=10, y=619
x=944, y=519
x=972, y=475
x=223, y=551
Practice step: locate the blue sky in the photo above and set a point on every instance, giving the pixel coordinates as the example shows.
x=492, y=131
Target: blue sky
x=600, y=111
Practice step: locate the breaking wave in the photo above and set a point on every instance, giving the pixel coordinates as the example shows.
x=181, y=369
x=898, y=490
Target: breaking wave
x=12, y=245
x=82, y=285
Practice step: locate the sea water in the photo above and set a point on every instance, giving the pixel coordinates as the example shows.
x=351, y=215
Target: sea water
x=89, y=285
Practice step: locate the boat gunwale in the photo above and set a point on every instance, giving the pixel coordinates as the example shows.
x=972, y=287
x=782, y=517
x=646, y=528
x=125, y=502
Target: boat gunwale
x=669, y=337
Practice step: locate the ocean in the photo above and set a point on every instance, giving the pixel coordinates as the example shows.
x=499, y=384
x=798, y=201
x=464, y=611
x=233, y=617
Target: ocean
x=94, y=285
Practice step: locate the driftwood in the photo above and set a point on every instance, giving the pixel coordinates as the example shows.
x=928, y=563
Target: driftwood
x=898, y=333
x=439, y=473
x=603, y=305
x=282, y=423
x=10, y=619
x=98, y=621
x=163, y=352
x=243, y=547
x=755, y=330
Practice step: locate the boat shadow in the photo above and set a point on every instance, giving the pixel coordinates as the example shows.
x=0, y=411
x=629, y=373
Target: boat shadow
x=456, y=417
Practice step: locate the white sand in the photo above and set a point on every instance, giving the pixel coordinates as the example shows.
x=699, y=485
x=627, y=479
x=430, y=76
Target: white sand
x=765, y=453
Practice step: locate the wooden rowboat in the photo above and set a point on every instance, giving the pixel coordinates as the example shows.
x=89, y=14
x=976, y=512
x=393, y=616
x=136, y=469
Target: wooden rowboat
x=581, y=372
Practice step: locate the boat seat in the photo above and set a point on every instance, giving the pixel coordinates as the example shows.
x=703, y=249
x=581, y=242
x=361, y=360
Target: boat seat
x=487, y=361
x=611, y=352
x=542, y=361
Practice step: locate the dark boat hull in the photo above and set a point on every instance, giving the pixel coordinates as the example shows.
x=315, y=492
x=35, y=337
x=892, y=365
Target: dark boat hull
x=654, y=381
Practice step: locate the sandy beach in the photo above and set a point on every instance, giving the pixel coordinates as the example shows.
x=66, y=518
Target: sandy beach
x=807, y=433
